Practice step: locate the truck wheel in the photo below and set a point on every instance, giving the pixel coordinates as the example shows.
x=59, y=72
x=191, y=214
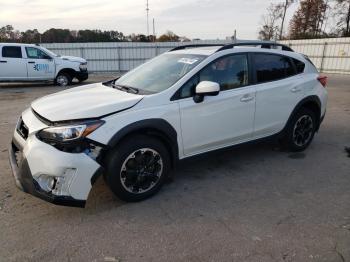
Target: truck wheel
x=300, y=130
x=63, y=79
x=137, y=168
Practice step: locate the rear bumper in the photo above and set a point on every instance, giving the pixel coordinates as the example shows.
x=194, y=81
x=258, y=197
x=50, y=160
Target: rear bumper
x=25, y=182
x=321, y=120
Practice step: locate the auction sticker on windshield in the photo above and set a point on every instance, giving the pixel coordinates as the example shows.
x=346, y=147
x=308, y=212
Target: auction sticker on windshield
x=189, y=61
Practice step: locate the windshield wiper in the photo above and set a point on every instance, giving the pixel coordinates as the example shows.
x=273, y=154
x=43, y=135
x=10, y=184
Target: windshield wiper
x=126, y=88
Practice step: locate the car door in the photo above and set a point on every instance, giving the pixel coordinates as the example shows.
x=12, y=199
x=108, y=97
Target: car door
x=12, y=64
x=278, y=90
x=220, y=120
x=40, y=65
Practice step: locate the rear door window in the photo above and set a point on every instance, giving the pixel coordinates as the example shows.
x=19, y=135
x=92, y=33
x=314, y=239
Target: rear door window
x=271, y=67
x=12, y=51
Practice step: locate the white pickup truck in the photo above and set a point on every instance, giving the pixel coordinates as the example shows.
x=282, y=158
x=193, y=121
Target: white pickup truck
x=28, y=62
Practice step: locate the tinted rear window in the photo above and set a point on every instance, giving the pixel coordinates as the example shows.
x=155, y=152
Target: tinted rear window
x=12, y=51
x=270, y=67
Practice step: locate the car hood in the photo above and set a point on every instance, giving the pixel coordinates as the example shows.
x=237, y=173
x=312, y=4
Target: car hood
x=73, y=58
x=89, y=101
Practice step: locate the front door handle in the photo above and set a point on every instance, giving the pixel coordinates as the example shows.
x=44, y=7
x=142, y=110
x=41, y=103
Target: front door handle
x=3, y=61
x=295, y=89
x=31, y=62
x=246, y=98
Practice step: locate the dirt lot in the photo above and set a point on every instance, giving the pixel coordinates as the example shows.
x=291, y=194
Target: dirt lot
x=254, y=203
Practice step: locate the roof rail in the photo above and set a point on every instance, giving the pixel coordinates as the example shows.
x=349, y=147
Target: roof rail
x=193, y=46
x=263, y=44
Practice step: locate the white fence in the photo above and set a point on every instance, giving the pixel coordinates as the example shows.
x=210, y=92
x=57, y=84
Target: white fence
x=329, y=55
x=117, y=57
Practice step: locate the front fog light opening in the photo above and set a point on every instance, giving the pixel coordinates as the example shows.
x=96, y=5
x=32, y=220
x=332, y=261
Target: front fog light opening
x=57, y=185
x=47, y=183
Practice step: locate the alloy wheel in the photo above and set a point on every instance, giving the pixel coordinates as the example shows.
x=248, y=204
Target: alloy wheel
x=141, y=170
x=303, y=130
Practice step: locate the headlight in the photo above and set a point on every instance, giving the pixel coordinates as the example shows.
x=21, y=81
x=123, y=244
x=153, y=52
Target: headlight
x=61, y=134
x=83, y=66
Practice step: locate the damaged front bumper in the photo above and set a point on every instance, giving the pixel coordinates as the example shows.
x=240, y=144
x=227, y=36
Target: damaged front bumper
x=52, y=175
x=25, y=181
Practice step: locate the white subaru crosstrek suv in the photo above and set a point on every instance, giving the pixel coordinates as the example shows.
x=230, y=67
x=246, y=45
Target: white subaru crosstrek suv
x=188, y=101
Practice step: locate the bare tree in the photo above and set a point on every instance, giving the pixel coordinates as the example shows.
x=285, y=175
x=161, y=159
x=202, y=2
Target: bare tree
x=269, y=28
x=284, y=6
x=342, y=9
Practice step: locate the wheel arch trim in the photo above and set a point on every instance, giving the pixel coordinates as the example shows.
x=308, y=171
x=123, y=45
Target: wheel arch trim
x=307, y=100
x=155, y=127
x=67, y=70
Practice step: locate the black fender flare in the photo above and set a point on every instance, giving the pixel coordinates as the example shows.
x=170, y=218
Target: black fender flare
x=157, y=127
x=69, y=71
x=313, y=99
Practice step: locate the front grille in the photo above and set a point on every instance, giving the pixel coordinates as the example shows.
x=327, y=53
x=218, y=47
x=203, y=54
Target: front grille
x=18, y=154
x=22, y=129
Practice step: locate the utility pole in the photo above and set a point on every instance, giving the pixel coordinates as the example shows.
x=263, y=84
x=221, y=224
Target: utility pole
x=147, y=11
x=154, y=31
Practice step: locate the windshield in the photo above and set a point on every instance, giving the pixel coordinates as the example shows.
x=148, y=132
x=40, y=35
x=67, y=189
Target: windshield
x=161, y=72
x=49, y=52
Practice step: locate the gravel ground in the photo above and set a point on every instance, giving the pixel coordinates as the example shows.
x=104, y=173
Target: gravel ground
x=253, y=203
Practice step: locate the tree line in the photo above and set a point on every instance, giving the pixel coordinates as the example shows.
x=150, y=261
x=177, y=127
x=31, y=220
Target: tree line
x=312, y=19
x=53, y=35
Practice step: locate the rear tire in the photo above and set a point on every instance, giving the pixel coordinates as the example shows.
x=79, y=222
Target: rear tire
x=137, y=168
x=63, y=79
x=300, y=130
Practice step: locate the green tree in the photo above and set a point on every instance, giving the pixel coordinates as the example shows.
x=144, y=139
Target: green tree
x=57, y=36
x=6, y=33
x=31, y=36
x=54, y=35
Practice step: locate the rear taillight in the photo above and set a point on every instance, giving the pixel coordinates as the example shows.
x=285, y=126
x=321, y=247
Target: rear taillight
x=323, y=80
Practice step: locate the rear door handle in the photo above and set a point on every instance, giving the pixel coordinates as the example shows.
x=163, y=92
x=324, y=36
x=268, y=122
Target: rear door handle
x=3, y=61
x=246, y=98
x=295, y=89
x=31, y=62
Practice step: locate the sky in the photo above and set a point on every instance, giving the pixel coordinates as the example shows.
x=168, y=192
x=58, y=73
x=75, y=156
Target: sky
x=204, y=19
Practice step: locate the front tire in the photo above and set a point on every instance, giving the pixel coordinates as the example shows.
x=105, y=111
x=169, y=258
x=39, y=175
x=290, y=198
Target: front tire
x=63, y=79
x=300, y=130
x=137, y=168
